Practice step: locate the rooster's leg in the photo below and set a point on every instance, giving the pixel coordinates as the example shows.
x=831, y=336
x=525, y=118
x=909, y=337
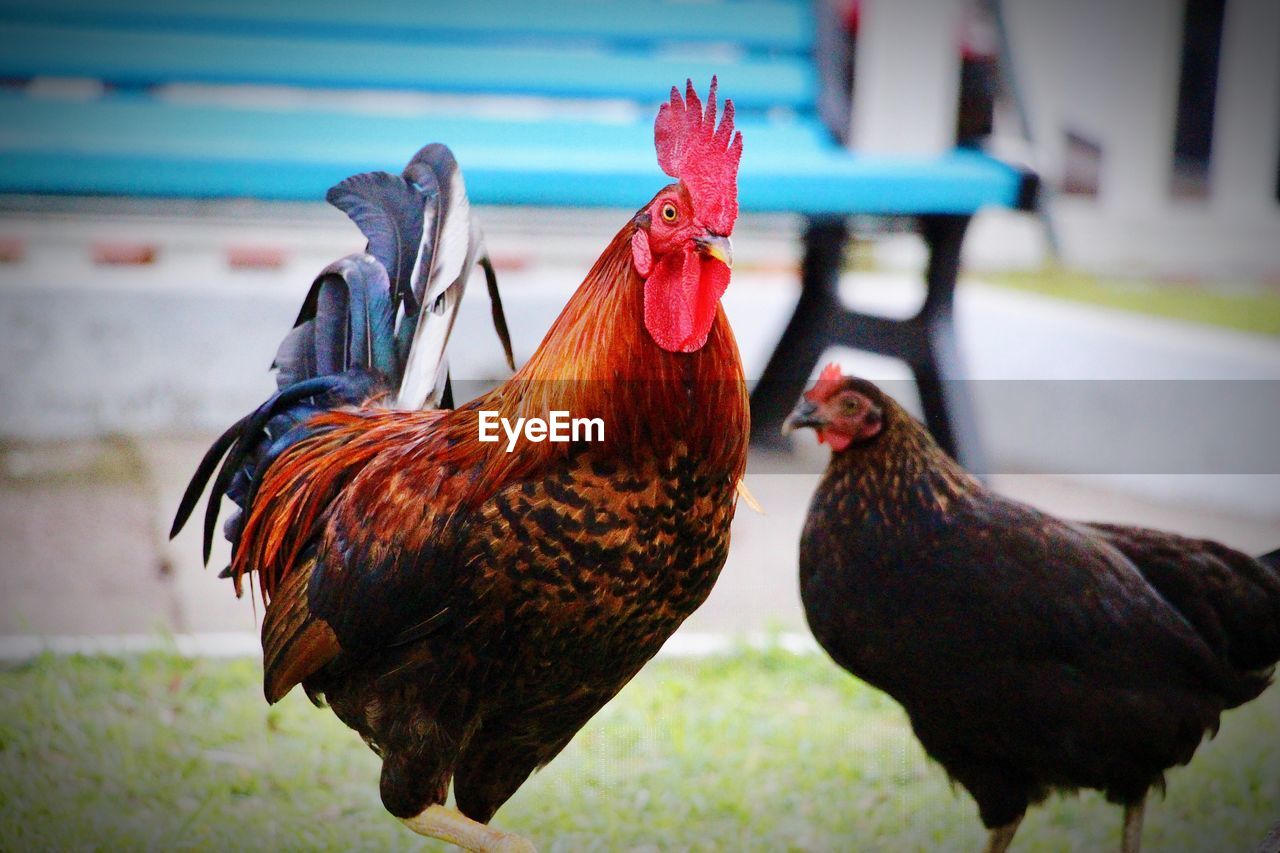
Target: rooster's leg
x=1001, y=837
x=456, y=828
x=1132, y=839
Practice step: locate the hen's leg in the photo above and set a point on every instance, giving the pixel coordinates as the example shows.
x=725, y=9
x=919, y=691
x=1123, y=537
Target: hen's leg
x=1132, y=839
x=456, y=828
x=1002, y=836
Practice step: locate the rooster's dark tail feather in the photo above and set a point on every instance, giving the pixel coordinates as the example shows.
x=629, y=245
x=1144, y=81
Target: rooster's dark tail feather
x=372, y=325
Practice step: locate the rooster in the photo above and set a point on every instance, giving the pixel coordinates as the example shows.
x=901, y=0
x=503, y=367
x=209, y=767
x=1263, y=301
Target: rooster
x=1030, y=653
x=466, y=609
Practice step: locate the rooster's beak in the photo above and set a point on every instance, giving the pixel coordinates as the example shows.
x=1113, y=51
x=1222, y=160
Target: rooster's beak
x=715, y=246
x=805, y=414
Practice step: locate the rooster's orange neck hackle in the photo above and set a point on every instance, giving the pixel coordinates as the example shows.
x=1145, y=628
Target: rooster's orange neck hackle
x=644, y=343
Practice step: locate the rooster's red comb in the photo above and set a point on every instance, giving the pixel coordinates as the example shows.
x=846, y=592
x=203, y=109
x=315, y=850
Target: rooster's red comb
x=703, y=157
x=828, y=382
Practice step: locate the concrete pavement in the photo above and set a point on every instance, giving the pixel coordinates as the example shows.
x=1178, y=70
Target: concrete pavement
x=167, y=354
x=84, y=530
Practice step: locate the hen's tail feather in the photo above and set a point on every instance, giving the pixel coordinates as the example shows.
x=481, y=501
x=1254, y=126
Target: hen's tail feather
x=1232, y=600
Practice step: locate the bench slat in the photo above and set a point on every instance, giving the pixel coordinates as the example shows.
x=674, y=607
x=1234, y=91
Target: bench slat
x=756, y=24
x=145, y=58
x=141, y=147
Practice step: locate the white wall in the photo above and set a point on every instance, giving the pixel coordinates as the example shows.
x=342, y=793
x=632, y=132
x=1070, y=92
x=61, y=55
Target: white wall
x=1109, y=71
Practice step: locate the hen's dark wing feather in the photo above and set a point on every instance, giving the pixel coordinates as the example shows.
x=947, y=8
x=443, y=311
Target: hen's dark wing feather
x=1035, y=646
x=1028, y=652
x=1232, y=599
x=1047, y=588
x=997, y=593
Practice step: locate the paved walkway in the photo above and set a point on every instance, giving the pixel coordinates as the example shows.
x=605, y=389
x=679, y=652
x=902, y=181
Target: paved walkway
x=179, y=348
x=84, y=525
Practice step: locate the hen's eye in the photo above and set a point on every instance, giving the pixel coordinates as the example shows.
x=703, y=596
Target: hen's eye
x=669, y=212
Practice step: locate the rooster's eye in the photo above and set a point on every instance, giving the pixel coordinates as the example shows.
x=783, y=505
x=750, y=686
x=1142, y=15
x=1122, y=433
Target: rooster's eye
x=669, y=212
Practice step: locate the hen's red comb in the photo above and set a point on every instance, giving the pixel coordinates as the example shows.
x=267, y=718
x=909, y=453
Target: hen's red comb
x=828, y=382
x=703, y=157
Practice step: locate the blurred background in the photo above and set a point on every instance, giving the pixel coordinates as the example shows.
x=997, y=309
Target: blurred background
x=1121, y=342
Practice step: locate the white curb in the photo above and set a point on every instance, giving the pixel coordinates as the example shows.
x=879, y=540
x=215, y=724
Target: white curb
x=243, y=644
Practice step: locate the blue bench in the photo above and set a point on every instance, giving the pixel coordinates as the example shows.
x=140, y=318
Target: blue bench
x=141, y=136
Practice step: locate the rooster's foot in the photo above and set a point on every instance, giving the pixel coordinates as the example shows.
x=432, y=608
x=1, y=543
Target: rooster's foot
x=456, y=828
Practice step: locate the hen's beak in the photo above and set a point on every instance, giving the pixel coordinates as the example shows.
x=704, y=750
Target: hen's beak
x=805, y=414
x=715, y=246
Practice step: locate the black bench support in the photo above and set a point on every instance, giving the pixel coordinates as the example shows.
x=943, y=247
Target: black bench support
x=926, y=342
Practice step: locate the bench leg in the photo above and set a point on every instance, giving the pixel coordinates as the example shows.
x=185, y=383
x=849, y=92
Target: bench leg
x=807, y=335
x=927, y=342
x=944, y=396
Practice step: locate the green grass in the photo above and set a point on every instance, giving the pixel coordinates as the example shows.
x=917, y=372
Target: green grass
x=1249, y=308
x=757, y=751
